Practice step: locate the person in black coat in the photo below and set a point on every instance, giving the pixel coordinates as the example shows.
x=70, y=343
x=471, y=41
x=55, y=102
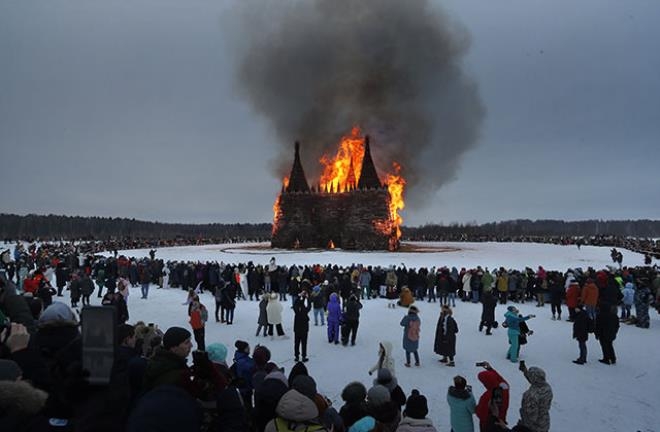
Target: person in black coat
x=301, y=308
x=606, y=328
x=488, y=304
x=351, y=320
x=445, y=336
x=581, y=324
x=355, y=403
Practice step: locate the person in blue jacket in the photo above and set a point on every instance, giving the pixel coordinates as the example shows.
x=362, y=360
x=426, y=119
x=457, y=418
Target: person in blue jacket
x=462, y=405
x=512, y=323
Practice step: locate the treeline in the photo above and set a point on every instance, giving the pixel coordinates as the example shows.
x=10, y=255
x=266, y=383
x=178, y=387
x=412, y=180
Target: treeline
x=55, y=227
x=525, y=228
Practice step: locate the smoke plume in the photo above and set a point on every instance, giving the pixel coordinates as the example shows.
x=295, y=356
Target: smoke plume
x=314, y=68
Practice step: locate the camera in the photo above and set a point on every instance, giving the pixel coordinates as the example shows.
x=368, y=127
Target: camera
x=481, y=364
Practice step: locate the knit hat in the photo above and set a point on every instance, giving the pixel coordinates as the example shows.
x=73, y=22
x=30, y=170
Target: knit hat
x=242, y=346
x=9, y=370
x=354, y=392
x=512, y=309
x=217, y=352
x=378, y=395
x=416, y=406
x=175, y=336
x=125, y=331
x=261, y=355
x=386, y=379
x=305, y=385
x=413, y=309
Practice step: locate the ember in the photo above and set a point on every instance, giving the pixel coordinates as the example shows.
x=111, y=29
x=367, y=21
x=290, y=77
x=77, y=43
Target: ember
x=349, y=208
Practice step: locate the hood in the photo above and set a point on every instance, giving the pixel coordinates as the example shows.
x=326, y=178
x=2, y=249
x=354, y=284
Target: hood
x=536, y=376
x=297, y=407
x=490, y=379
x=19, y=397
x=334, y=298
x=387, y=346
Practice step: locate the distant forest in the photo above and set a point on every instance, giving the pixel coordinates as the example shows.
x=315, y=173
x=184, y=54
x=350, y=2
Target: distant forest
x=54, y=227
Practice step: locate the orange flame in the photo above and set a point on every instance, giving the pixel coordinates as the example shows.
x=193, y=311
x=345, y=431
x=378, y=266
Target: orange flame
x=337, y=175
x=395, y=185
x=277, y=212
x=341, y=174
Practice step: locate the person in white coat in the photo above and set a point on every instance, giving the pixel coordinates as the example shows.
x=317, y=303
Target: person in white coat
x=385, y=360
x=274, y=314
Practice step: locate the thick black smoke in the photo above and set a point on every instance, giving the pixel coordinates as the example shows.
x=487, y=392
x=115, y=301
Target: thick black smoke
x=316, y=68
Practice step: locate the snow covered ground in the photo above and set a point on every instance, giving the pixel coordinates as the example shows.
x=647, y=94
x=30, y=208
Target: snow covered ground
x=589, y=398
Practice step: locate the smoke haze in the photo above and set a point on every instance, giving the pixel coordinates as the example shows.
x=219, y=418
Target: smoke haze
x=315, y=68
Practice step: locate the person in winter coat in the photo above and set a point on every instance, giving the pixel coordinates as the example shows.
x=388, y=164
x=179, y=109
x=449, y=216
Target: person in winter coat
x=581, y=324
x=386, y=379
x=74, y=289
x=274, y=314
x=351, y=320
x=198, y=317
x=384, y=415
x=414, y=416
x=536, y=401
x=217, y=296
x=406, y=297
x=556, y=295
x=301, y=308
x=488, y=305
x=385, y=360
x=445, y=336
x=228, y=302
x=628, y=298
x=318, y=302
x=354, y=396
x=642, y=300
x=572, y=297
x=295, y=412
x=512, y=323
x=267, y=395
x=21, y=403
x=589, y=297
x=334, y=316
x=243, y=369
x=411, y=328
x=494, y=402
x=262, y=320
x=86, y=288
x=462, y=405
x=606, y=327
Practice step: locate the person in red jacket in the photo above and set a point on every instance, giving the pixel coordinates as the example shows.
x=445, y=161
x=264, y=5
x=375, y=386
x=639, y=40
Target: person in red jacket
x=494, y=402
x=198, y=316
x=572, y=298
x=589, y=298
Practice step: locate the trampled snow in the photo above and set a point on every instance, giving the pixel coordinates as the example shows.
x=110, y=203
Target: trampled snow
x=589, y=398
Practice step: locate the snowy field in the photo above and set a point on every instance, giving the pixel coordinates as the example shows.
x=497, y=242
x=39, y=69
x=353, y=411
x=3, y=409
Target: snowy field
x=589, y=398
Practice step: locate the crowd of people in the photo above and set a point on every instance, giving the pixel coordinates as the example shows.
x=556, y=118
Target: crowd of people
x=43, y=385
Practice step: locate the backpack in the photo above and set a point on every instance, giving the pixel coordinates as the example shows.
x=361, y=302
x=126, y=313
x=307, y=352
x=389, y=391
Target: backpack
x=282, y=425
x=413, y=330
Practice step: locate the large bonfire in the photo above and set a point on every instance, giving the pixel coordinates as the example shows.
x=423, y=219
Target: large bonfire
x=341, y=174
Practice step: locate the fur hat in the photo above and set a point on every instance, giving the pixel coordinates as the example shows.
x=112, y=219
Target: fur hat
x=9, y=370
x=305, y=385
x=416, y=406
x=242, y=346
x=175, y=336
x=378, y=395
x=354, y=392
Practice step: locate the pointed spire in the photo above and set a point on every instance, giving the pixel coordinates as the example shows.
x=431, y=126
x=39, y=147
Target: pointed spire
x=368, y=175
x=297, y=180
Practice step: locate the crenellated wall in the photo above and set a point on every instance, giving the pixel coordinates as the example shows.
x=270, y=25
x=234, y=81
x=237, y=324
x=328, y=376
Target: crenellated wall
x=358, y=219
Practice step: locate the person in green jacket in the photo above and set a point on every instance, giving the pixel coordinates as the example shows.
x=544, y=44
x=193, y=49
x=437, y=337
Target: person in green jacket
x=462, y=405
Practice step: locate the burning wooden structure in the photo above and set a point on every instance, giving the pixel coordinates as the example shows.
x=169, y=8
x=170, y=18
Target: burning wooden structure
x=349, y=208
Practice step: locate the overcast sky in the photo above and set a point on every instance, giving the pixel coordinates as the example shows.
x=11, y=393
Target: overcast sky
x=131, y=109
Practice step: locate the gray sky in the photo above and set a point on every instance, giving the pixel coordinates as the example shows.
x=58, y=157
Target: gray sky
x=131, y=109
